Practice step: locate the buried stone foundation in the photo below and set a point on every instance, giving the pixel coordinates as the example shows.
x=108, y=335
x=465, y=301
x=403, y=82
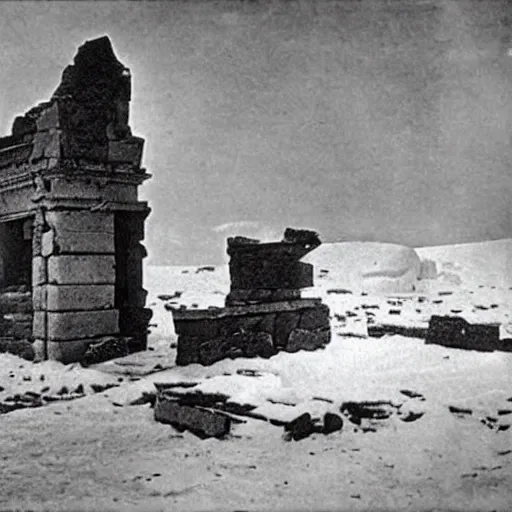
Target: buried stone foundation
x=71, y=224
x=264, y=312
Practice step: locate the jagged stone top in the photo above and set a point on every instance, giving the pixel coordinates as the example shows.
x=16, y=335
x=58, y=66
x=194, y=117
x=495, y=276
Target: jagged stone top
x=86, y=120
x=95, y=70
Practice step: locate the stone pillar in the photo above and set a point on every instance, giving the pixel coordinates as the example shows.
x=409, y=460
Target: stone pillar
x=74, y=281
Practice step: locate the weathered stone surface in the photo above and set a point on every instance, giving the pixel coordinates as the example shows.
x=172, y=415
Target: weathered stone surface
x=202, y=422
x=188, y=350
x=255, y=309
x=301, y=427
x=285, y=324
x=243, y=297
x=332, y=423
x=105, y=349
x=274, y=274
x=86, y=269
x=315, y=318
x=39, y=324
x=82, y=221
x=91, y=243
x=16, y=302
x=39, y=297
x=456, y=332
x=67, y=351
x=206, y=329
x=129, y=151
x=82, y=324
x=301, y=339
x=39, y=271
x=18, y=347
x=79, y=297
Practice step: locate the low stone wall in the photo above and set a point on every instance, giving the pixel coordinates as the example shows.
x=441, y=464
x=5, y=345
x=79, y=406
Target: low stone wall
x=16, y=322
x=457, y=332
x=207, y=336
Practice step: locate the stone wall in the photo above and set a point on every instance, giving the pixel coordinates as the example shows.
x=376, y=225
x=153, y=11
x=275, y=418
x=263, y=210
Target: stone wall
x=259, y=330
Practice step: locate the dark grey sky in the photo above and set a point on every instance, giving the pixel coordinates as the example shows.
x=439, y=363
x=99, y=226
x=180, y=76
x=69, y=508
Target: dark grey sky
x=373, y=120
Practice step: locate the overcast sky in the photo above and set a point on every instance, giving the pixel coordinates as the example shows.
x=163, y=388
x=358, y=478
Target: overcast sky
x=380, y=120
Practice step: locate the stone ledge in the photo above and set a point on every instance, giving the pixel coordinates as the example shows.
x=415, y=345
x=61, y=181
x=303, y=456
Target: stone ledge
x=255, y=309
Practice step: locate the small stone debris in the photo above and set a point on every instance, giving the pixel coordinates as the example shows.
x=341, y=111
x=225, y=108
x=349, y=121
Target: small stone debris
x=394, y=312
x=411, y=416
x=176, y=295
x=249, y=373
x=503, y=412
x=459, y=410
x=145, y=398
x=300, y=428
x=98, y=388
x=206, y=268
x=411, y=394
x=339, y=291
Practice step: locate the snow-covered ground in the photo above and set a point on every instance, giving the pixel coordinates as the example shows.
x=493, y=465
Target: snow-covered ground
x=99, y=453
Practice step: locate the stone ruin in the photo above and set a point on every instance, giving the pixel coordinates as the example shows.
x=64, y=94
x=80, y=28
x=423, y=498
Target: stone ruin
x=264, y=311
x=70, y=219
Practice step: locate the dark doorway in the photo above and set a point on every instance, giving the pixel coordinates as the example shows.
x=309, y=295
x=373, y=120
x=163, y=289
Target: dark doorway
x=16, y=253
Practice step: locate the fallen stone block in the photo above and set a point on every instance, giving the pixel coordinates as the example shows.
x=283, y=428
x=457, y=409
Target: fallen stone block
x=202, y=422
x=332, y=423
x=301, y=427
x=456, y=332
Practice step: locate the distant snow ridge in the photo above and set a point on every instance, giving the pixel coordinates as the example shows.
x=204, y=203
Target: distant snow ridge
x=369, y=266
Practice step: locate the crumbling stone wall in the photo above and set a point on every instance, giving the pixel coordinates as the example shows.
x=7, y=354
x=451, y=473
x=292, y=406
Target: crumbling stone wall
x=72, y=167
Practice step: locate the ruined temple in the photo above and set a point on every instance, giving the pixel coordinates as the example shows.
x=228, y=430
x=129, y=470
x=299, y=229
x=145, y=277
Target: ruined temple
x=71, y=224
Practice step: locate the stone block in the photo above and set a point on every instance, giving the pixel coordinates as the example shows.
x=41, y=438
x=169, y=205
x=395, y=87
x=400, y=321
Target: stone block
x=126, y=151
x=48, y=118
x=83, y=221
x=46, y=145
x=133, y=320
x=314, y=318
x=85, y=242
x=39, y=324
x=67, y=351
x=456, y=332
x=39, y=347
x=206, y=329
x=94, y=269
x=82, y=324
x=243, y=344
x=202, y=422
x=39, y=297
x=47, y=243
x=39, y=271
x=301, y=339
x=264, y=274
x=285, y=323
x=80, y=297
x=188, y=350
